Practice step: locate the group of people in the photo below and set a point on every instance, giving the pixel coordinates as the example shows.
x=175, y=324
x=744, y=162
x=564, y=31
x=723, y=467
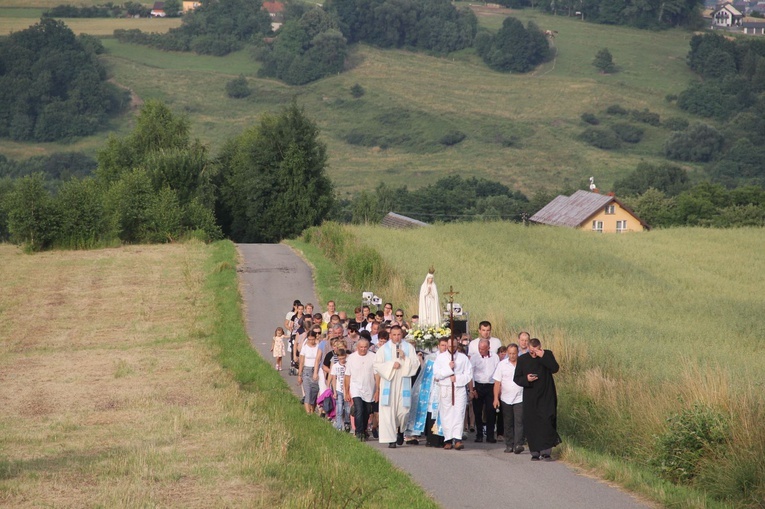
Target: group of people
x=368, y=378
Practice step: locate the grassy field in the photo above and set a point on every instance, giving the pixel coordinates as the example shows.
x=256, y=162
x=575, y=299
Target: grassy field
x=128, y=381
x=644, y=325
x=100, y=27
x=413, y=99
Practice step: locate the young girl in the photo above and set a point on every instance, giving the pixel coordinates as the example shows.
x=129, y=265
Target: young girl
x=277, y=346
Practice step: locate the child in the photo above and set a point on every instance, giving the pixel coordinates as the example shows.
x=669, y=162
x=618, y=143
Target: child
x=277, y=346
x=336, y=383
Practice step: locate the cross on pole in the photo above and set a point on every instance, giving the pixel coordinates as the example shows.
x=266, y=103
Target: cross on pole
x=451, y=293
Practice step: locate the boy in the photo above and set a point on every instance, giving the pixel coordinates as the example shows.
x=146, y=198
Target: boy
x=336, y=382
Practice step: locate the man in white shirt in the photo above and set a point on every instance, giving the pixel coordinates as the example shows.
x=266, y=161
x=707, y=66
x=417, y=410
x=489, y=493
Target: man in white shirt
x=509, y=396
x=360, y=386
x=452, y=376
x=484, y=332
x=484, y=366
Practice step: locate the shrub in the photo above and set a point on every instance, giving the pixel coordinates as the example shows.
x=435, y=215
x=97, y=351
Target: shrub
x=616, y=109
x=452, y=138
x=590, y=118
x=699, y=143
x=357, y=91
x=676, y=123
x=646, y=117
x=670, y=98
x=601, y=138
x=604, y=62
x=691, y=437
x=628, y=132
x=238, y=88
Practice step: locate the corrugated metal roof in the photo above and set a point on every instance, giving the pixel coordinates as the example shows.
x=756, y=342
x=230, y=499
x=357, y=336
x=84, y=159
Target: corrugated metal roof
x=393, y=220
x=572, y=210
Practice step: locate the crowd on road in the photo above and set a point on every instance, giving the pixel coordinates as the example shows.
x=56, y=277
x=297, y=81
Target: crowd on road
x=366, y=375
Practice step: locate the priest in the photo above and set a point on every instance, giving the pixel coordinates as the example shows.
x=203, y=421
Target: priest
x=534, y=372
x=396, y=363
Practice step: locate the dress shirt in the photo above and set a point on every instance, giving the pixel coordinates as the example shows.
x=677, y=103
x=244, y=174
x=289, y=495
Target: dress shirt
x=484, y=368
x=510, y=392
x=494, y=344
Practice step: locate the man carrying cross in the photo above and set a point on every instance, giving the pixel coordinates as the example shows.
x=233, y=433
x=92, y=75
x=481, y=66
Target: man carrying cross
x=452, y=371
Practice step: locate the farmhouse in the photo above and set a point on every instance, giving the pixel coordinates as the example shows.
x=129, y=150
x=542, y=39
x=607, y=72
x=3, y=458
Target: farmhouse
x=753, y=26
x=158, y=11
x=190, y=5
x=276, y=11
x=726, y=16
x=584, y=210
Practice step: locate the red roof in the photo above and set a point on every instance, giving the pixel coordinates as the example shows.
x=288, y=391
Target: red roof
x=273, y=7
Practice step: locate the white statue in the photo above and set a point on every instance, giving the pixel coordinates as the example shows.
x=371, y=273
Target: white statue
x=430, y=310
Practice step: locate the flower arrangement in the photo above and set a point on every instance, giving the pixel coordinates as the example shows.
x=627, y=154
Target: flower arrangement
x=426, y=338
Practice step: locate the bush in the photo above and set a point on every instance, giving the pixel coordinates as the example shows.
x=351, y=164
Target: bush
x=357, y=91
x=601, y=138
x=670, y=98
x=691, y=437
x=616, y=109
x=452, y=138
x=238, y=88
x=628, y=132
x=676, y=123
x=604, y=62
x=646, y=117
x=699, y=143
x=590, y=118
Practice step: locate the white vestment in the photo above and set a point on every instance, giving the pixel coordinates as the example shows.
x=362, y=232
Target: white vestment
x=452, y=415
x=430, y=310
x=394, y=414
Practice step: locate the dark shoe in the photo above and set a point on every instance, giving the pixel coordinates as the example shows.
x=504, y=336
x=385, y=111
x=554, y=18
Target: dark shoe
x=547, y=457
x=392, y=445
x=519, y=449
x=375, y=433
x=412, y=441
x=472, y=429
x=535, y=458
x=491, y=440
x=508, y=449
x=447, y=446
x=478, y=439
x=458, y=446
x=400, y=439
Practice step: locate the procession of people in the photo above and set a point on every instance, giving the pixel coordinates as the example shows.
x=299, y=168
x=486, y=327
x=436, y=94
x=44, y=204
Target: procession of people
x=368, y=376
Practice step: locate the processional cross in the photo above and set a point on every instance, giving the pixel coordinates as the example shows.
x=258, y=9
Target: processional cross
x=451, y=293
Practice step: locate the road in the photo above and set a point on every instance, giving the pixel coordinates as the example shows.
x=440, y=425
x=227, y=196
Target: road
x=481, y=476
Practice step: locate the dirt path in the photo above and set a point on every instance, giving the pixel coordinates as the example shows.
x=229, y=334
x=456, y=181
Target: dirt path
x=482, y=476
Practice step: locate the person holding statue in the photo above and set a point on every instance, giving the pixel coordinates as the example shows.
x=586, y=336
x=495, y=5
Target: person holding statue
x=396, y=363
x=430, y=310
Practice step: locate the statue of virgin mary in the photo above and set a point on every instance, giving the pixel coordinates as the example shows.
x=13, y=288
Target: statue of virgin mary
x=430, y=310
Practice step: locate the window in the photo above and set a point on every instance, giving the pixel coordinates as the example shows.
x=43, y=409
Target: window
x=597, y=226
x=621, y=226
x=610, y=209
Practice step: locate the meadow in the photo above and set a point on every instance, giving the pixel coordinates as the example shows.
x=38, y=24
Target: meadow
x=521, y=129
x=647, y=327
x=129, y=381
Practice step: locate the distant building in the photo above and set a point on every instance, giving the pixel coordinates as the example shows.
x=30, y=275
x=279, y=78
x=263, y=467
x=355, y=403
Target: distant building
x=190, y=5
x=584, y=210
x=399, y=222
x=158, y=11
x=753, y=26
x=276, y=11
x=726, y=16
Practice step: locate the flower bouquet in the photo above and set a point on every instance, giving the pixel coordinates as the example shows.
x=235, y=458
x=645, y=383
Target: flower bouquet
x=427, y=337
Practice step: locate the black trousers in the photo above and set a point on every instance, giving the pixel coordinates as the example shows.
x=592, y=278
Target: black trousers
x=432, y=439
x=361, y=412
x=483, y=407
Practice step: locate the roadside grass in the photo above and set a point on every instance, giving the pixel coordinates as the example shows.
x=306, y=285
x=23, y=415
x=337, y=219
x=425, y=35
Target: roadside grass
x=644, y=326
x=100, y=27
x=128, y=381
x=520, y=129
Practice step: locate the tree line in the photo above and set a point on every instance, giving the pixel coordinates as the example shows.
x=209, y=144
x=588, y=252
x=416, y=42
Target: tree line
x=109, y=10
x=159, y=185
x=52, y=85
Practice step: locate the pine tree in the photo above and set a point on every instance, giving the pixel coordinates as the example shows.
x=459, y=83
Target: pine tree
x=604, y=61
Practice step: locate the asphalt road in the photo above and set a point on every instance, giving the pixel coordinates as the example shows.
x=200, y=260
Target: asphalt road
x=481, y=476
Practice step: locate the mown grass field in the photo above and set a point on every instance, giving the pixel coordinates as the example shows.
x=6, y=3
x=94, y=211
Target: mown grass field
x=413, y=99
x=100, y=27
x=128, y=381
x=644, y=326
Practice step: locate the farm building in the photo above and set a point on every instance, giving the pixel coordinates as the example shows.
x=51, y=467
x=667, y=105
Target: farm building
x=158, y=11
x=726, y=16
x=753, y=26
x=399, y=222
x=596, y=212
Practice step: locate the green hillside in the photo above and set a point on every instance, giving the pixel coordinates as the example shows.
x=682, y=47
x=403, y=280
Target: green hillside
x=521, y=129
x=645, y=326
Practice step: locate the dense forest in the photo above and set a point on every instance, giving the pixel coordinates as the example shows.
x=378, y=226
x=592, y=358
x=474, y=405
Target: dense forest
x=52, y=86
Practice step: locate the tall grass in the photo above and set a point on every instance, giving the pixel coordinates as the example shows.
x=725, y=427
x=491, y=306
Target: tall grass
x=645, y=326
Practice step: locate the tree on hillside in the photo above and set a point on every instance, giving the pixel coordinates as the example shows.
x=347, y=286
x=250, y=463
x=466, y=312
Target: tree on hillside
x=667, y=178
x=514, y=48
x=604, y=61
x=273, y=179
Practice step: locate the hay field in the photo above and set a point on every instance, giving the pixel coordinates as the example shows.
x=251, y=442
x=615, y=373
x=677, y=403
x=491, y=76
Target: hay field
x=109, y=398
x=100, y=27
